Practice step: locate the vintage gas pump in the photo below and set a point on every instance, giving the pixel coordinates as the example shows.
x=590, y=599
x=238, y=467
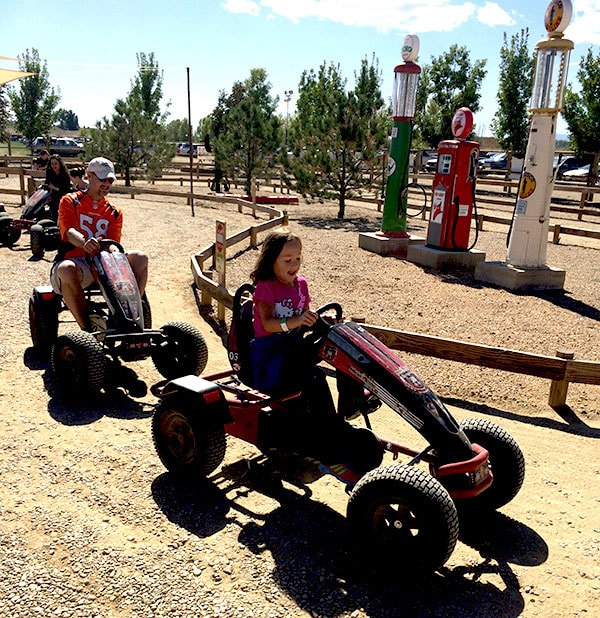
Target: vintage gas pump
x=525, y=266
x=529, y=232
x=454, y=187
x=404, y=97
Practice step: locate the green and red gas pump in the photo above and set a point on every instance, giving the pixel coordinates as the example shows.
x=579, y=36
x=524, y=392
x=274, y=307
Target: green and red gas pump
x=454, y=187
x=404, y=98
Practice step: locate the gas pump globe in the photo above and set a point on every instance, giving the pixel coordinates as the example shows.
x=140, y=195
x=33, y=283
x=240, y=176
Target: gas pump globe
x=404, y=99
x=406, y=80
x=529, y=235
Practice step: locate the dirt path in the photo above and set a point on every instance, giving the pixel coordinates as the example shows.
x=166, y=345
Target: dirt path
x=94, y=526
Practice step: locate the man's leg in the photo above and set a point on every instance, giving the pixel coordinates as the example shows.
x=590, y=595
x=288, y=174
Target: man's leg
x=68, y=276
x=139, y=265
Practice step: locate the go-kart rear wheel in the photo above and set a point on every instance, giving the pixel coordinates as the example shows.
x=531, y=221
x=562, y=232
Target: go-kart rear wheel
x=43, y=323
x=183, y=353
x=506, y=462
x=400, y=516
x=184, y=441
x=8, y=235
x=78, y=363
x=147, y=312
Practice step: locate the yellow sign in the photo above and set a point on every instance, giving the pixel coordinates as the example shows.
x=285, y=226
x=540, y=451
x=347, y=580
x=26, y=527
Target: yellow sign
x=527, y=186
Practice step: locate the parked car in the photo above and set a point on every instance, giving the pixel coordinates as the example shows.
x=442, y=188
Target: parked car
x=570, y=163
x=431, y=164
x=184, y=150
x=484, y=160
x=63, y=146
x=498, y=161
x=581, y=173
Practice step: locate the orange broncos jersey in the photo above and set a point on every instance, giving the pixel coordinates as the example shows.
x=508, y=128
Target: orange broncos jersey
x=93, y=219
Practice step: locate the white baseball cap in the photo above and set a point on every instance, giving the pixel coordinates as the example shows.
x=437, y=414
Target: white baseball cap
x=103, y=168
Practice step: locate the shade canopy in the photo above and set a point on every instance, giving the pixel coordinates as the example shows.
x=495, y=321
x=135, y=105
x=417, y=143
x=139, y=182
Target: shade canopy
x=8, y=75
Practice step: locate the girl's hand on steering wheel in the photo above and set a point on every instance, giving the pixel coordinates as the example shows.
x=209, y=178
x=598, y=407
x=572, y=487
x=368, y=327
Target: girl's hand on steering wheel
x=308, y=318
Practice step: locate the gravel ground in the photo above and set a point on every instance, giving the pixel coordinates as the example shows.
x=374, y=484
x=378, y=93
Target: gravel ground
x=93, y=526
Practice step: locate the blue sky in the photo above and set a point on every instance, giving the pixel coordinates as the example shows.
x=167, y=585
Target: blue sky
x=90, y=47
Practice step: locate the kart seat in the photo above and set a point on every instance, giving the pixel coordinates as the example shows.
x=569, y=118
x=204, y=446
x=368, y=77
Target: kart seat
x=241, y=333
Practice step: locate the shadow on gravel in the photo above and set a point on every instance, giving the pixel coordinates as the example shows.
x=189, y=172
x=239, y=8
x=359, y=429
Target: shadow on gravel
x=116, y=400
x=574, y=425
x=352, y=224
x=308, y=543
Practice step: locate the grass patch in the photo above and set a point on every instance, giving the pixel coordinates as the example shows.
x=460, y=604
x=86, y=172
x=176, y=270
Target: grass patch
x=17, y=149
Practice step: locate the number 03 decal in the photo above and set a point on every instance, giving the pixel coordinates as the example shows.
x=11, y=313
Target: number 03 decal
x=88, y=224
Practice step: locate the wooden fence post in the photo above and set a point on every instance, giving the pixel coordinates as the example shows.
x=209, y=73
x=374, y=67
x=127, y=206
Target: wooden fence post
x=22, y=186
x=556, y=234
x=558, y=388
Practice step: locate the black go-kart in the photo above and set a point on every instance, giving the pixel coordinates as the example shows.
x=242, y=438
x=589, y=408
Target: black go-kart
x=404, y=513
x=36, y=217
x=121, y=323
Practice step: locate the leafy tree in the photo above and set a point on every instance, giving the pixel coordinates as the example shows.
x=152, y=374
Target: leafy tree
x=136, y=135
x=582, y=111
x=511, y=122
x=4, y=115
x=451, y=81
x=246, y=128
x=34, y=103
x=177, y=130
x=67, y=119
x=335, y=133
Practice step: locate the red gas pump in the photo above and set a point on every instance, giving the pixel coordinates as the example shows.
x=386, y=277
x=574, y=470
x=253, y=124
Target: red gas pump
x=454, y=187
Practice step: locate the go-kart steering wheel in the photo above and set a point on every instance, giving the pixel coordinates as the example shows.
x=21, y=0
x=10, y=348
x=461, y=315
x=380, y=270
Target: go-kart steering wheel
x=321, y=326
x=105, y=243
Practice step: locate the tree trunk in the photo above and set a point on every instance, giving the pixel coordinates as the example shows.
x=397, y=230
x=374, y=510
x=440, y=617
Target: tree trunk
x=342, y=204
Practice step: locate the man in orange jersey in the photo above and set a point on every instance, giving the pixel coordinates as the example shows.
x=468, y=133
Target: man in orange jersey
x=85, y=218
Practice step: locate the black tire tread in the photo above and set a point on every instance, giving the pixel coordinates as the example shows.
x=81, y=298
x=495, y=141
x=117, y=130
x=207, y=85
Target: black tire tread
x=506, y=462
x=92, y=363
x=190, y=360
x=416, y=485
x=210, y=438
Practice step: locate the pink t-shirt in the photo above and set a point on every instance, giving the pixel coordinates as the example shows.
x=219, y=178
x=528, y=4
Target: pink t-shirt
x=287, y=301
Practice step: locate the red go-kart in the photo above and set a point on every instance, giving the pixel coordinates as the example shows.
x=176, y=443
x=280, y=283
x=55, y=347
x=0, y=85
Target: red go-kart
x=121, y=322
x=36, y=217
x=406, y=511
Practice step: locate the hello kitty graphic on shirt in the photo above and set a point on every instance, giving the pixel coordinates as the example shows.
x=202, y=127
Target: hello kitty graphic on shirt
x=285, y=309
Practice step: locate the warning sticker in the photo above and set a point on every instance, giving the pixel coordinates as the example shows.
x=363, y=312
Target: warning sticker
x=527, y=186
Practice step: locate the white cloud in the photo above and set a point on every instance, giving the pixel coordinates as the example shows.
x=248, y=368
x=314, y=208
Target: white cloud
x=247, y=7
x=585, y=25
x=491, y=14
x=383, y=15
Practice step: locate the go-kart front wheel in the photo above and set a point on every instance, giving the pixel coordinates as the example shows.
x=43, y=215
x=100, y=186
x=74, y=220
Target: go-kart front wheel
x=184, y=351
x=506, y=462
x=43, y=236
x=184, y=441
x=78, y=363
x=400, y=516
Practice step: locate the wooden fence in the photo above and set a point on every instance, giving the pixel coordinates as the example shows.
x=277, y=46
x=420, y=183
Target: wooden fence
x=561, y=369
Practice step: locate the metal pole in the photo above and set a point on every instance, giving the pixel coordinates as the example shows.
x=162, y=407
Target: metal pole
x=190, y=143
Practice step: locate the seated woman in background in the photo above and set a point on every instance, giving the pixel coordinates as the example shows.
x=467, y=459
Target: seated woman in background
x=77, y=182
x=58, y=182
